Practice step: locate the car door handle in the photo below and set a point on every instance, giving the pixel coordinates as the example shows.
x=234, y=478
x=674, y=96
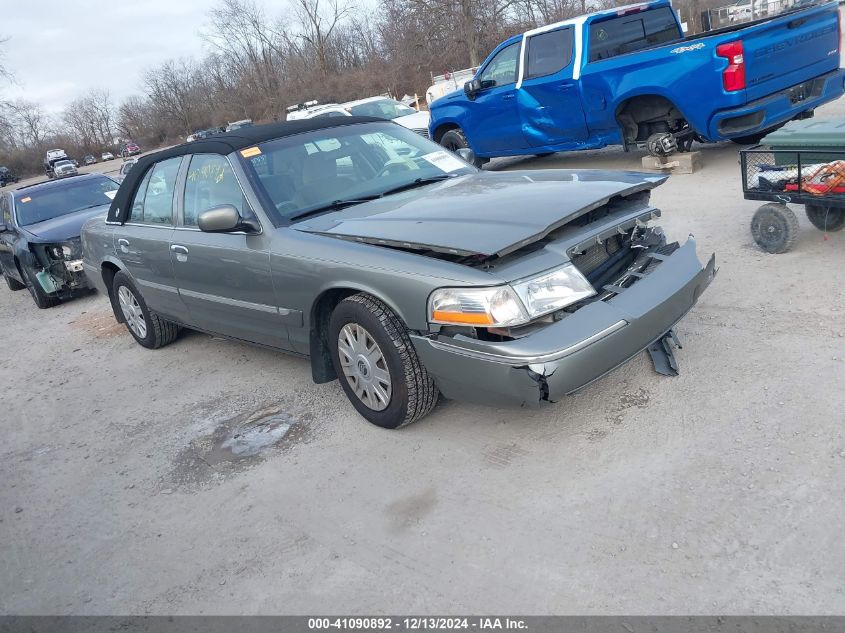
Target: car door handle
x=565, y=87
x=181, y=252
x=124, y=244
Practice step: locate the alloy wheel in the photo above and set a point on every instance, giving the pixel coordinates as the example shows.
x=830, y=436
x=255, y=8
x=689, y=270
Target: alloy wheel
x=132, y=312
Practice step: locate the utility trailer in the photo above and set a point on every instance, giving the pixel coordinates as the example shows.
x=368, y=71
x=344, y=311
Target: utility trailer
x=814, y=178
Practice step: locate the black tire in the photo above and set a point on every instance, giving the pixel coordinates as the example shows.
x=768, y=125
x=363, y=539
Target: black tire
x=828, y=219
x=14, y=284
x=774, y=228
x=456, y=139
x=156, y=332
x=413, y=391
x=39, y=296
x=753, y=139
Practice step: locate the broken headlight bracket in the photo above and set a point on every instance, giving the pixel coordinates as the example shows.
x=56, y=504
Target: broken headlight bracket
x=662, y=355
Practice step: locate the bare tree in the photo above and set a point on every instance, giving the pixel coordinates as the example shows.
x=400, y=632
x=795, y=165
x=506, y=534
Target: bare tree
x=31, y=122
x=318, y=21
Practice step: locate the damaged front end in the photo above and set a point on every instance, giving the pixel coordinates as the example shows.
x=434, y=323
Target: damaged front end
x=58, y=266
x=643, y=285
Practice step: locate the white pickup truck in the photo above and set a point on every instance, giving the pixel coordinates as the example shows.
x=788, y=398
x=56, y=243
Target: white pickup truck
x=53, y=157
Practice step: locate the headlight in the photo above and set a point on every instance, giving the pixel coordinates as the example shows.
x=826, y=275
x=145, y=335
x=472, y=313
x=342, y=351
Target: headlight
x=61, y=251
x=553, y=291
x=504, y=306
x=485, y=307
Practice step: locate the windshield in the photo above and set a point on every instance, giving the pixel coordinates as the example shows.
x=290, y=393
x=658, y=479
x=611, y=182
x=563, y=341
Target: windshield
x=306, y=172
x=63, y=199
x=383, y=109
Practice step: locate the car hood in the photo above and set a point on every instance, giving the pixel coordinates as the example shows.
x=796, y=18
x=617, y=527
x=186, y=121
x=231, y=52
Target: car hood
x=486, y=213
x=64, y=227
x=415, y=121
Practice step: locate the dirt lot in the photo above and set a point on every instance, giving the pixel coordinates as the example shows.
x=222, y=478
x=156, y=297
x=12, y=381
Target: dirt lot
x=130, y=483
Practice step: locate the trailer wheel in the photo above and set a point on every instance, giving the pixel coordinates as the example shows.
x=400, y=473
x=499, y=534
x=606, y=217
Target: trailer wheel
x=774, y=228
x=827, y=219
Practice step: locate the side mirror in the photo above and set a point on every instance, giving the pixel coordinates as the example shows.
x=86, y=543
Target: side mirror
x=220, y=219
x=471, y=88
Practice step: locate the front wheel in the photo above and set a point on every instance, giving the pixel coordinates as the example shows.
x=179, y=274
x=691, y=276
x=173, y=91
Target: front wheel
x=774, y=227
x=377, y=364
x=456, y=139
x=13, y=283
x=145, y=326
x=41, y=298
x=827, y=219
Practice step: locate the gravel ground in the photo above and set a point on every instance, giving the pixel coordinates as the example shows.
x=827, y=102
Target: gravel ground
x=722, y=490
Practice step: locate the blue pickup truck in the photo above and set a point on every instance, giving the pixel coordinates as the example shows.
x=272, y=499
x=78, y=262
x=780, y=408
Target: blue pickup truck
x=628, y=76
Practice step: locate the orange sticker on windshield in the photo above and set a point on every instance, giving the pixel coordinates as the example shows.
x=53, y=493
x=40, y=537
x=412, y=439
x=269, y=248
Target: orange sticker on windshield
x=249, y=152
x=27, y=199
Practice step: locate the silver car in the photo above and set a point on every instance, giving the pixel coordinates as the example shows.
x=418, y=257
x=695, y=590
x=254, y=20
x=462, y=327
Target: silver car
x=394, y=265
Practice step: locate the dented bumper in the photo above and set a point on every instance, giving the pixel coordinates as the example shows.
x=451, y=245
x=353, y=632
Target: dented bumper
x=569, y=354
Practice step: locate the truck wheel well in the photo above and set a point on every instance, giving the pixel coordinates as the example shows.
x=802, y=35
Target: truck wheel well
x=440, y=131
x=109, y=270
x=322, y=367
x=641, y=116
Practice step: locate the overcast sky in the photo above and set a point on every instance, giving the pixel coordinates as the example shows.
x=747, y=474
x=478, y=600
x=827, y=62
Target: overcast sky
x=58, y=50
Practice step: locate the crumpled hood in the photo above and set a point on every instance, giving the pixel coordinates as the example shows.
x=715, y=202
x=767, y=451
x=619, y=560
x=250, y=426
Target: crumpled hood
x=486, y=213
x=64, y=227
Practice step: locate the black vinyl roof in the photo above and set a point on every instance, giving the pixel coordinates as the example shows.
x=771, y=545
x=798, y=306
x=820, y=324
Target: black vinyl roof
x=221, y=144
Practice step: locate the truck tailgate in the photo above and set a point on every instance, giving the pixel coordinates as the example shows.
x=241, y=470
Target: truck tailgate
x=790, y=49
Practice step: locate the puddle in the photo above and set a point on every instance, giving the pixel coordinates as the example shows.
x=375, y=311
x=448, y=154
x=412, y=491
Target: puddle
x=251, y=439
x=238, y=443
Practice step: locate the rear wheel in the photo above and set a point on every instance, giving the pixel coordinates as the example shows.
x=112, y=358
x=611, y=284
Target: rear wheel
x=377, y=364
x=774, y=228
x=455, y=140
x=41, y=298
x=753, y=139
x=146, y=327
x=826, y=218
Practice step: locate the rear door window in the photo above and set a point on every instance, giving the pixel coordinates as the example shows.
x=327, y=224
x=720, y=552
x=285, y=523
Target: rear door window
x=153, y=202
x=5, y=210
x=628, y=33
x=549, y=53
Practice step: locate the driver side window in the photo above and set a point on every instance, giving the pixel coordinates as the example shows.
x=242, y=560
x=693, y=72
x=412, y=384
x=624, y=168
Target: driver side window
x=503, y=67
x=211, y=183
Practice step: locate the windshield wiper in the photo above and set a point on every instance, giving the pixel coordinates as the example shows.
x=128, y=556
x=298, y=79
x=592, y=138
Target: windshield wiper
x=417, y=183
x=333, y=206
x=340, y=204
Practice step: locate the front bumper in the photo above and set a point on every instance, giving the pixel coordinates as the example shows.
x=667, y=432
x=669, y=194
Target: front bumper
x=573, y=352
x=777, y=108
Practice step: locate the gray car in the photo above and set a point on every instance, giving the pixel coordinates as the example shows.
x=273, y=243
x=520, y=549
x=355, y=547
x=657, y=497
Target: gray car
x=393, y=264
